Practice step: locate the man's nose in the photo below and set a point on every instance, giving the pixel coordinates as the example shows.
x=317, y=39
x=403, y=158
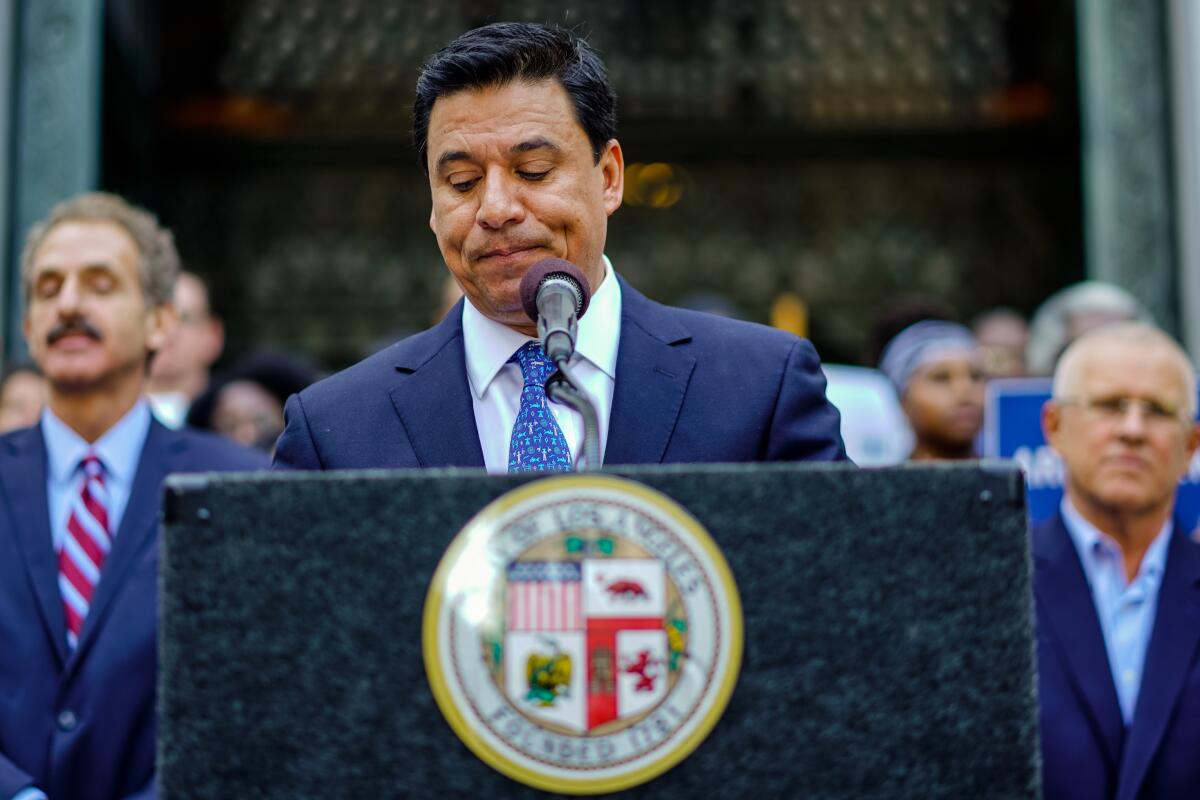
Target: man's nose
x=1134, y=417
x=69, y=297
x=499, y=201
x=965, y=387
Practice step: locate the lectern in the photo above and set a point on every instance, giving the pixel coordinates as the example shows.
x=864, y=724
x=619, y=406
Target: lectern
x=884, y=619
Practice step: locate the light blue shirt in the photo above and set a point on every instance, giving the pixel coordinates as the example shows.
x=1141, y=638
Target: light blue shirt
x=119, y=451
x=1126, y=608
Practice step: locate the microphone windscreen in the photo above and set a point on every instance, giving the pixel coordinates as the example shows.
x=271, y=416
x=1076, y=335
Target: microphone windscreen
x=544, y=269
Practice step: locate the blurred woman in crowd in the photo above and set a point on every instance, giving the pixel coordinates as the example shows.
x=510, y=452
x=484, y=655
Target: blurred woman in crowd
x=937, y=370
x=246, y=403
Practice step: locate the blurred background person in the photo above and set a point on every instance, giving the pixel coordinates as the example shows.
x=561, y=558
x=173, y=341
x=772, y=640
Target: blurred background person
x=936, y=369
x=180, y=371
x=1003, y=337
x=1071, y=312
x=245, y=403
x=22, y=397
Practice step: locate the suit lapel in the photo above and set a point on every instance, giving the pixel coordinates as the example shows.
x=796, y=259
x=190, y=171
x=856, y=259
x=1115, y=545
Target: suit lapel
x=652, y=379
x=24, y=477
x=432, y=396
x=1065, y=603
x=139, y=525
x=1172, y=650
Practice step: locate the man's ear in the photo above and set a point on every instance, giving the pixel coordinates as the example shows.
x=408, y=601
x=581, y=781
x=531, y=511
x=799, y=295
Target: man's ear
x=1193, y=438
x=162, y=324
x=215, y=339
x=433, y=221
x=1051, y=422
x=612, y=170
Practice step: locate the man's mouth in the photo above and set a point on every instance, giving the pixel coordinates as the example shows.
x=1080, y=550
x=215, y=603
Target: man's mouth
x=1127, y=461
x=506, y=250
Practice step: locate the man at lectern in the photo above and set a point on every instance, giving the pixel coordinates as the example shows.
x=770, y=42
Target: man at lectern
x=1117, y=574
x=515, y=125
x=79, y=497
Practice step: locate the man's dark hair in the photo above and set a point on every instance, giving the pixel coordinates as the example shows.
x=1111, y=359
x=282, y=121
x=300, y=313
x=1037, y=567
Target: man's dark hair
x=498, y=54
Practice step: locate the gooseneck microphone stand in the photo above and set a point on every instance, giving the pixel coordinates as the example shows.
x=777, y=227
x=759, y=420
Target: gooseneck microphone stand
x=562, y=387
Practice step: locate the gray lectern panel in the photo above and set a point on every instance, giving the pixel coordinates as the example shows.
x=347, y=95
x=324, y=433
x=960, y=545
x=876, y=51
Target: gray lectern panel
x=888, y=636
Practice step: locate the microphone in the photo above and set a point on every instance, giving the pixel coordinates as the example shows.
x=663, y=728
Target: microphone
x=555, y=293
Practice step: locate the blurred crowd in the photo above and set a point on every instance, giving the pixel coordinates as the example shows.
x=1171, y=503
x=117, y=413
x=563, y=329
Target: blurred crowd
x=924, y=397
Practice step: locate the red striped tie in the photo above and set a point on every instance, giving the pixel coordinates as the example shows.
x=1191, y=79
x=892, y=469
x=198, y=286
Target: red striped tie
x=86, y=544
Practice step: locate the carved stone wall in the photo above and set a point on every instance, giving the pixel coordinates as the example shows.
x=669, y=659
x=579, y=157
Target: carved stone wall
x=851, y=152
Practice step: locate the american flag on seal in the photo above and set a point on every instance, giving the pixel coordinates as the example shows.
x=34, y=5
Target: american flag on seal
x=545, y=596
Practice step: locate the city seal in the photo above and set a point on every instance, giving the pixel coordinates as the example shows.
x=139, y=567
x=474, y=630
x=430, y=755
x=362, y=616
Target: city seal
x=582, y=634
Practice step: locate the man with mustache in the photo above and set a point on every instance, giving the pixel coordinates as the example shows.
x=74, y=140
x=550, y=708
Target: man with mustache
x=515, y=125
x=1117, y=574
x=79, y=496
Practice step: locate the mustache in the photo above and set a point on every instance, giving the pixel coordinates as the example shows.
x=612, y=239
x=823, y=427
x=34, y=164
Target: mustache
x=70, y=327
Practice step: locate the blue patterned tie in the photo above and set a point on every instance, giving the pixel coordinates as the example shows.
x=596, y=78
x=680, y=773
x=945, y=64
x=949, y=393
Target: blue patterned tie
x=537, y=443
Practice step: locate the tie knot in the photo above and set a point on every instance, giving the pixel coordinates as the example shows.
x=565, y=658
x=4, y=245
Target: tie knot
x=535, y=366
x=92, y=466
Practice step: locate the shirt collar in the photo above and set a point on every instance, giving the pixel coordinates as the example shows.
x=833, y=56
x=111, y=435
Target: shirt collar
x=1088, y=539
x=489, y=344
x=118, y=449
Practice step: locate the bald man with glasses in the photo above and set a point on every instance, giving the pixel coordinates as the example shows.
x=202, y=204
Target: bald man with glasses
x=1117, y=574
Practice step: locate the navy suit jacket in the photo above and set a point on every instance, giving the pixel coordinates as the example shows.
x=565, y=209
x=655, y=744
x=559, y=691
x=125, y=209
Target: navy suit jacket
x=1087, y=752
x=81, y=725
x=690, y=388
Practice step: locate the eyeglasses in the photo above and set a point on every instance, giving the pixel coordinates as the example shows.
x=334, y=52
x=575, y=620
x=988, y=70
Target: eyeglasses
x=1116, y=408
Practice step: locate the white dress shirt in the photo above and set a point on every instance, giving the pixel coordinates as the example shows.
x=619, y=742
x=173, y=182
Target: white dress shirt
x=119, y=450
x=496, y=384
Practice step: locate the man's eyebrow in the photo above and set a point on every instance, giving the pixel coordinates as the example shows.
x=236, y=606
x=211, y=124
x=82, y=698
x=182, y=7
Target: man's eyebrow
x=453, y=155
x=538, y=143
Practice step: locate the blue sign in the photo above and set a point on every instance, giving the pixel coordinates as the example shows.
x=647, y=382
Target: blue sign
x=1012, y=428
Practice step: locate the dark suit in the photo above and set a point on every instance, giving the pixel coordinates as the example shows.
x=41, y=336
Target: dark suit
x=82, y=725
x=690, y=388
x=1087, y=751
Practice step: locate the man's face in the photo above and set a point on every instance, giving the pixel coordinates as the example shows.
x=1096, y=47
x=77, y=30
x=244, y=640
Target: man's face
x=514, y=181
x=1121, y=456
x=87, y=324
x=198, y=339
